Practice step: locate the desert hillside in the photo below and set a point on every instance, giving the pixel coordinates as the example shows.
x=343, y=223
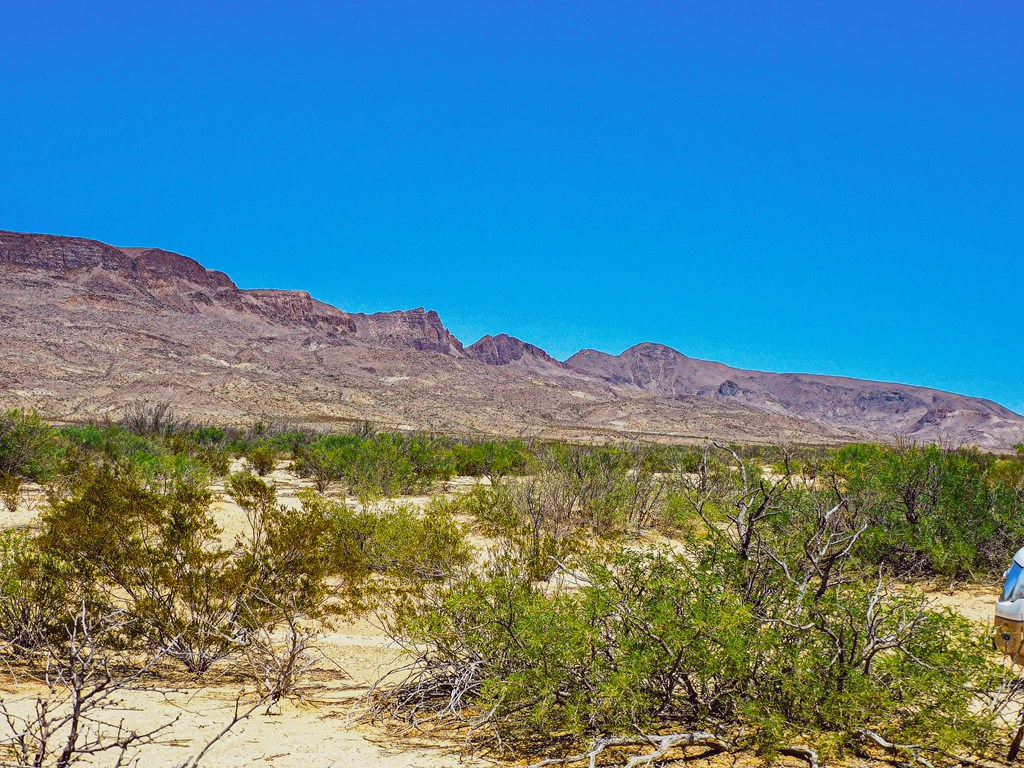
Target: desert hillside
x=90, y=328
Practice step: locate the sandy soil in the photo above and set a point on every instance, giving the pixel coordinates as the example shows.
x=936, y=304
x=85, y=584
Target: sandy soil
x=976, y=602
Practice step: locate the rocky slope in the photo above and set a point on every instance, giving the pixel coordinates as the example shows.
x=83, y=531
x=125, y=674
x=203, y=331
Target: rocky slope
x=89, y=328
x=508, y=350
x=884, y=409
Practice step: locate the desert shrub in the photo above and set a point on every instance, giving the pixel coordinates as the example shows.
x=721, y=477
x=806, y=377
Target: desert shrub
x=932, y=510
x=576, y=493
x=159, y=552
x=10, y=491
x=327, y=540
x=651, y=641
x=37, y=595
x=415, y=545
x=262, y=459
x=302, y=557
x=526, y=529
x=607, y=489
x=283, y=439
x=26, y=445
x=492, y=458
x=432, y=459
x=154, y=419
x=761, y=632
x=677, y=517
x=161, y=459
x=376, y=465
x=167, y=471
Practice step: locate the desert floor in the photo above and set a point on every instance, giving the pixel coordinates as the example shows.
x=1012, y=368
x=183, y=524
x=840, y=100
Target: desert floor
x=318, y=730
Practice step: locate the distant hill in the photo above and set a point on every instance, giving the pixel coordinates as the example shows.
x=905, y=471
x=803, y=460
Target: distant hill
x=89, y=328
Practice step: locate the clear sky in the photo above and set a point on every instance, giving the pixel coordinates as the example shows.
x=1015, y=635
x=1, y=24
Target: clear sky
x=830, y=187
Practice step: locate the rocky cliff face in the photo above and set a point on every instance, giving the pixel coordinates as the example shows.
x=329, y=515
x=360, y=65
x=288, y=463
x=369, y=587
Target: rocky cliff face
x=508, y=350
x=181, y=284
x=415, y=329
x=59, y=255
x=88, y=328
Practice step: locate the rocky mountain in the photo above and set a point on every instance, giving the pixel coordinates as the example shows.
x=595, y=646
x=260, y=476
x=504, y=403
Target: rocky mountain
x=89, y=328
x=508, y=350
x=920, y=413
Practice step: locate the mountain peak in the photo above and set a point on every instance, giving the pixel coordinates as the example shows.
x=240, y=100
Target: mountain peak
x=506, y=350
x=653, y=349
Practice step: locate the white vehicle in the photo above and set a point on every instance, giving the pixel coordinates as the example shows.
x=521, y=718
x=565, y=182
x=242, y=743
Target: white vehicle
x=1010, y=610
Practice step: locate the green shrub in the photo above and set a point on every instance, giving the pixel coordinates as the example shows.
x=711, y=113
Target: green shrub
x=651, y=641
x=27, y=446
x=934, y=511
x=159, y=552
x=37, y=596
x=763, y=629
x=374, y=466
x=491, y=458
x=417, y=545
x=262, y=459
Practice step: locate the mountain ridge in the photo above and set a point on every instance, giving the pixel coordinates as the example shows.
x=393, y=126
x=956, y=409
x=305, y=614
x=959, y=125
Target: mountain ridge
x=90, y=326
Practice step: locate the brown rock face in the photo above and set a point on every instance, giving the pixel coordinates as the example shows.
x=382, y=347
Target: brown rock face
x=59, y=255
x=157, y=267
x=506, y=350
x=415, y=328
x=89, y=328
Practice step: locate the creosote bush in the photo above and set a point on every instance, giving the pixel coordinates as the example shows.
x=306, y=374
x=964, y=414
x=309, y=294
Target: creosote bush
x=262, y=459
x=373, y=466
x=27, y=445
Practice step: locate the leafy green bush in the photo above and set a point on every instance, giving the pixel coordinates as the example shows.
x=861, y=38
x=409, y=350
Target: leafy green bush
x=415, y=545
x=377, y=465
x=26, y=445
x=934, y=511
x=161, y=459
x=492, y=458
x=159, y=552
x=576, y=494
x=652, y=640
x=37, y=595
x=262, y=459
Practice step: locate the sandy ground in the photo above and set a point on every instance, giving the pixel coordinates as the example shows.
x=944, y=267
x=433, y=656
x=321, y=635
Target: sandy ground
x=976, y=602
x=316, y=731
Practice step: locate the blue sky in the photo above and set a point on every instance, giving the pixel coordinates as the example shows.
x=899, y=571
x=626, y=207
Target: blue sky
x=831, y=187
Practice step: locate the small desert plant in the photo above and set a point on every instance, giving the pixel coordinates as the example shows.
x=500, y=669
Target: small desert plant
x=143, y=418
x=280, y=651
x=158, y=554
x=27, y=445
x=493, y=459
x=416, y=546
x=376, y=465
x=262, y=459
x=36, y=593
x=10, y=491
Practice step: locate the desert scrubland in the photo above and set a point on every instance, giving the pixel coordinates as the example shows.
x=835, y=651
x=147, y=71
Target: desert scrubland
x=399, y=599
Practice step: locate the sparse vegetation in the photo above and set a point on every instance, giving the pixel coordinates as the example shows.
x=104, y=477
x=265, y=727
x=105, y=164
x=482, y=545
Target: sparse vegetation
x=737, y=598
